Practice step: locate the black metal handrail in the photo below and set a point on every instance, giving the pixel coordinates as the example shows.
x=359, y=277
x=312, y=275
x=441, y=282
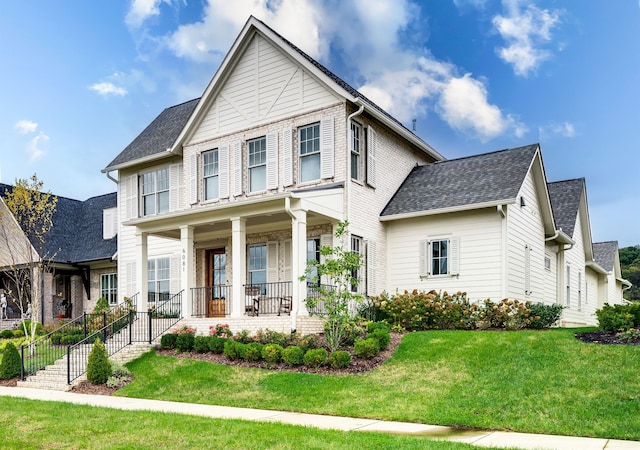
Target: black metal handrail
x=211, y=301
x=268, y=298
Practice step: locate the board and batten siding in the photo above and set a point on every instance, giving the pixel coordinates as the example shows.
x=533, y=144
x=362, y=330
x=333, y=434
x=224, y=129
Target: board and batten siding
x=265, y=85
x=525, y=233
x=480, y=236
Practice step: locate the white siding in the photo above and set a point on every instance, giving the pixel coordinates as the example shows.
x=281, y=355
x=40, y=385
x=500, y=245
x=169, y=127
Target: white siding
x=575, y=257
x=551, y=275
x=590, y=302
x=480, y=250
x=265, y=85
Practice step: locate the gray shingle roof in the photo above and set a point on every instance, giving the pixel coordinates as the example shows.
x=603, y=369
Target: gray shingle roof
x=565, y=202
x=466, y=181
x=159, y=135
x=76, y=235
x=604, y=254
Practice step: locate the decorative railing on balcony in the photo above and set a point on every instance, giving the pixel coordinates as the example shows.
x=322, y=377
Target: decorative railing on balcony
x=211, y=301
x=268, y=298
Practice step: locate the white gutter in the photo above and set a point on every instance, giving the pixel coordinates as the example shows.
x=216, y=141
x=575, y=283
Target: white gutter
x=596, y=267
x=452, y=209
x=347, y=178
x=108, y=174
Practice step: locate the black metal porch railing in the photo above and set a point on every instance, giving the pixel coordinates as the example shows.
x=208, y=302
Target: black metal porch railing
x=268, y=298
x=125, y=330
x=211, y=301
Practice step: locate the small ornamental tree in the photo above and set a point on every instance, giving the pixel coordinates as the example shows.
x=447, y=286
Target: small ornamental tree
x=98, y=367
x=340, y=268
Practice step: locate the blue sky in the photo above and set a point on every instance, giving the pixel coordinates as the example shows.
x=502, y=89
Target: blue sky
x=80, y=80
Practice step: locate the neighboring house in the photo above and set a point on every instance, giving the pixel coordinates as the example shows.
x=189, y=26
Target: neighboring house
x=606, y=256
x=223, y=199
x=81, y=246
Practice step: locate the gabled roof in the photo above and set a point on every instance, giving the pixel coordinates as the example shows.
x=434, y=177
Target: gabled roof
x=565, y=200
x=158, y=137
x=167, y=133
x=481, y=180
x=76, y=235
x=604, y=254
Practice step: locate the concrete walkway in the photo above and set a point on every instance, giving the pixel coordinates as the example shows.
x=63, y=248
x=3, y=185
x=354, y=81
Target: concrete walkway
x=480, y=438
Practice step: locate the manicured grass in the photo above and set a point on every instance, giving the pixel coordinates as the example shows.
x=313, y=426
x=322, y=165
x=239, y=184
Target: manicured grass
x=28, y=424
x=528, y=381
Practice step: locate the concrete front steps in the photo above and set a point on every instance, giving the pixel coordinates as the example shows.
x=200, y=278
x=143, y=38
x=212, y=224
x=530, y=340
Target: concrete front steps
x=55, y=376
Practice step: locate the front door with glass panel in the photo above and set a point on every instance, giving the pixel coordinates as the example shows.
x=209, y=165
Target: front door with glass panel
x=217, y=279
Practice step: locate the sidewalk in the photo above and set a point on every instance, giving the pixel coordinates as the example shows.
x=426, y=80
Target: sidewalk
x=479, y=438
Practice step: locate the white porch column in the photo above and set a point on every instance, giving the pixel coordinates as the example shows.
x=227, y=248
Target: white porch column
x=238, y=264
x=298, y=265
x=141, y=270
x=187, y=268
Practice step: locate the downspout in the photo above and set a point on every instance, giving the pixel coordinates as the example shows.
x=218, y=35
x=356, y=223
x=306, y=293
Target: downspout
x=294, y=311
x=108, y=174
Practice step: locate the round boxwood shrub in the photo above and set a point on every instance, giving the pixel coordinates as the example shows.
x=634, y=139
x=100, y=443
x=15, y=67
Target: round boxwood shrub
x=98, y=367
x=168, y=341
x=11, y=362
x=18, y=333
x=272, y=353
x=232, y=349
x=201, y=344
x=6, y=334
x=366, y=348
x=216, y=344
x=373, y=326
x=315, y=357
x=252, y=351
x=184, y=342
x=340, y=359
x=293, y=355
x=383, y=337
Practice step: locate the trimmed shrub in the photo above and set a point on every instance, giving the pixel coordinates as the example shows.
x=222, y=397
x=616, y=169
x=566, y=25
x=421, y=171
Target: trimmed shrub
x=308, y=342
x=366, y=348
x=243, y=336
x=216, y=344
x=184, y=342
x=252, y=351
x=168, y=341
x=18, y=333
x=373, y=326
x=201, y=344
x=544, y=316
x=232, y=349
x=11, y=362
x=293, y=355
x=272, y=353
x=616, y=318
x=382, y=336
x=340, y=359
x=315, y=357
x=98, y=367
x=6, y=334
x=273, y=337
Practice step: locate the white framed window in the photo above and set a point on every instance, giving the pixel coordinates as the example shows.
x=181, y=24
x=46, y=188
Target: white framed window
x=257, y=153
x=309, y=139
x=356, y=150
x=313, y=254
x=257, y=264
x=109, y=287
x=158, y=279
x=210, y=173
x=567, y=282
x=547, y=263
x=439, y=256
x=155, y=192
x=357, y=247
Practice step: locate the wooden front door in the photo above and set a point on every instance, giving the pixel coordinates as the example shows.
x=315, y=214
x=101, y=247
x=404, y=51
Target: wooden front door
x=217, y=281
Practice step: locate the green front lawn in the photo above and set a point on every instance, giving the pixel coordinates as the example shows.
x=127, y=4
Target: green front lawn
x=528, y=381
x=29, y=424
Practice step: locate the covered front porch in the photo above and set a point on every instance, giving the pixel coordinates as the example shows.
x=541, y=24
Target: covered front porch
x=240, y=260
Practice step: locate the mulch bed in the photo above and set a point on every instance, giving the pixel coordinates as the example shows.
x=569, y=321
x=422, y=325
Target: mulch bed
x=12, y=382
x=603, y=337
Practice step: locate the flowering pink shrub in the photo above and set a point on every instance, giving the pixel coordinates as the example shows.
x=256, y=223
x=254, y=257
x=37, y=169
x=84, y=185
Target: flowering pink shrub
x=220, y=330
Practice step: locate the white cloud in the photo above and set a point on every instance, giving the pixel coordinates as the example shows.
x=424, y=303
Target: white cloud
x=141, y=10
x=25, y=126
x=399, y=74
x=34, y=148
x=525, y=32
x=106, y=88
x=564, y=129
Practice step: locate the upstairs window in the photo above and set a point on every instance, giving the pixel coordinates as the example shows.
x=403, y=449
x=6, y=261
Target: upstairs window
x=309, y=138
x=257, y=150
x=356, y=150
x=155, y=192
x=210, y=171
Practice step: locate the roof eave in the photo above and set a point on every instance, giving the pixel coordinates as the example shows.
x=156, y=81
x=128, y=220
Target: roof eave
x=125, y=165
x=596, y=267
x=453, y=209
